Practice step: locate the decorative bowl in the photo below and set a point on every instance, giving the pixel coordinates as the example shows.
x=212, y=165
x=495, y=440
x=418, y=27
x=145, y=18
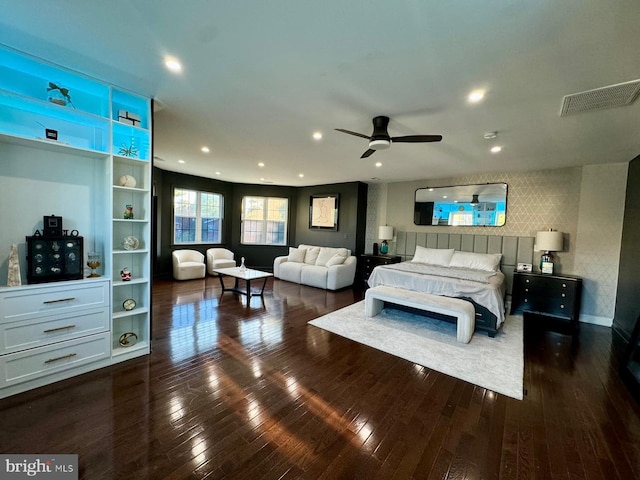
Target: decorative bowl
x=130, y=243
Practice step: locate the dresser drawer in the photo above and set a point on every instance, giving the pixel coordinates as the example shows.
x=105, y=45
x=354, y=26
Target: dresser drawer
x=36, y=332
x=47, y=300
x=39, y=362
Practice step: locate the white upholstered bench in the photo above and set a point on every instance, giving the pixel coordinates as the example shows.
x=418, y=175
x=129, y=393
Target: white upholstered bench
x=462, y=310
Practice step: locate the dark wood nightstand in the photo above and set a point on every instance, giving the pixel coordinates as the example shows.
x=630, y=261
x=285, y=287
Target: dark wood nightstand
x=368, y=262
x=556, y=296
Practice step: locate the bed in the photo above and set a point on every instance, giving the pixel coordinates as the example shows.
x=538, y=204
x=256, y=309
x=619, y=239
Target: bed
x=475, y=277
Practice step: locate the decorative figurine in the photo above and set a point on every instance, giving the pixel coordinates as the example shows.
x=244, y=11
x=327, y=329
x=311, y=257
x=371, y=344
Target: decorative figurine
x=128, y=212
x=125, y=274
x=13, y=279
x=242, y=266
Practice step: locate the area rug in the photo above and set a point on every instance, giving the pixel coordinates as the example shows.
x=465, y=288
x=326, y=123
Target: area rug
x=493, y=363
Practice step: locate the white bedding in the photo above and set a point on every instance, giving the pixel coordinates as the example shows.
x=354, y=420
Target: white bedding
x=483, y=288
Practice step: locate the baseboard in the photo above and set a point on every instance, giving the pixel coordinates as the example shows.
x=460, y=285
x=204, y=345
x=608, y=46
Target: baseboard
x=592, y=319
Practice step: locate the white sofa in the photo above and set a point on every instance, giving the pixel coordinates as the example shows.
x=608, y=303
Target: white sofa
x=322, y=267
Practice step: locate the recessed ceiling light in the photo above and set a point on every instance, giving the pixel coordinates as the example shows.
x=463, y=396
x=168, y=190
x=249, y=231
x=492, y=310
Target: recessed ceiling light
x=205, y=149
x=261, y=164
x=218, y=173
x=317, y=136
x=476, y=95
x=378, y=164
x=444, y=196
x=262, y=179
x=496, y=149
x=301, y=175
x=173, y=64
x=181, y=161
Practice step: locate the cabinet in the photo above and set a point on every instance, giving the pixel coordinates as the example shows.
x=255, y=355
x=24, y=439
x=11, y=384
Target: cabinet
x=369, y=262
x=553, y=295
x=70, y=146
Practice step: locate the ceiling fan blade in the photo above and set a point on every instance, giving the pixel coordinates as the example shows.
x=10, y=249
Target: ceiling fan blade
x=417, y=138
x=352, y=133
x=368, y=153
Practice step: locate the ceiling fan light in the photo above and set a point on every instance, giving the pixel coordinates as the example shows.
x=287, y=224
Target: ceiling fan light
x=379, y=144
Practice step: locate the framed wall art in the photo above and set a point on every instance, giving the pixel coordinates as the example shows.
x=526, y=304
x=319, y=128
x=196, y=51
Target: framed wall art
x=323, y=212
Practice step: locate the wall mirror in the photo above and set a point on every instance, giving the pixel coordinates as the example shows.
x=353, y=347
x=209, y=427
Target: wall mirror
x=482, y=205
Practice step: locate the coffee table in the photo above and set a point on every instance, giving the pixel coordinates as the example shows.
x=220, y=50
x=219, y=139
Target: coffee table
x=247, y=275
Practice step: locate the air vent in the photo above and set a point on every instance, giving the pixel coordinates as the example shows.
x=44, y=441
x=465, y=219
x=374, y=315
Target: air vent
x=606, y=97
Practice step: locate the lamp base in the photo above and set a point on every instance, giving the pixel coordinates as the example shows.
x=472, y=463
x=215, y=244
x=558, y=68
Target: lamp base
x=384, y=247
x=546, y=262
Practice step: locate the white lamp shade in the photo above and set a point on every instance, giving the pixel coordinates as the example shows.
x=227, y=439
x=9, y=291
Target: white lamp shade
x=549, y=241
x=385, y=232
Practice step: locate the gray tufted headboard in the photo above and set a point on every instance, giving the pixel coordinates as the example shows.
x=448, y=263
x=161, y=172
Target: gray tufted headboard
x=514, y=249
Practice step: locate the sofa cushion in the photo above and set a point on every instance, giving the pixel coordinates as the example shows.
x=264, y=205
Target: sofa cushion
x=314, y=276
x=291, y=271
x=327, y=252
x=337, y=259
x=296, y=255
x=311, y=255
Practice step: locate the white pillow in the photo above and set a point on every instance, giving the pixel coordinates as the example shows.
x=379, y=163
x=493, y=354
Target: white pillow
x=296, y=255
x=327, y=252
x=337, y=259
x=311, y=255
x=433, y=256
x=488, y=262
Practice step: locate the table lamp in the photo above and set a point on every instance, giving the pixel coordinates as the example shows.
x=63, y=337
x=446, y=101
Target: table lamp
x=385, y=233
x=548, y=241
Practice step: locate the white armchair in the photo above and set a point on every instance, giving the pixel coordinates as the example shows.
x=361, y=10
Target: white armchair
x=188, y=264
x=219, y=258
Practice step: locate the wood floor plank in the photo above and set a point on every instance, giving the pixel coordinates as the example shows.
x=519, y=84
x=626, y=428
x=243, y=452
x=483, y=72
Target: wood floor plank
x=237, y=389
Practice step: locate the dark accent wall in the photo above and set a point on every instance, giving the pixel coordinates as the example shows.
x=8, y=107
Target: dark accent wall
x=351, y=218
x=627, y=301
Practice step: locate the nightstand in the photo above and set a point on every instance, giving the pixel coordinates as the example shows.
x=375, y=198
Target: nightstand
x=556, y=296
x=368, y=262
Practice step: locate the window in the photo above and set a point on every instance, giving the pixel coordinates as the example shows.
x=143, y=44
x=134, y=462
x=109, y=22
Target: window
x=264, y=220
x=197, y=216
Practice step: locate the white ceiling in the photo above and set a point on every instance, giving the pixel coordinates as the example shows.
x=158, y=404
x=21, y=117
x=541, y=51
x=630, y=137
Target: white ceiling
x=261, y=76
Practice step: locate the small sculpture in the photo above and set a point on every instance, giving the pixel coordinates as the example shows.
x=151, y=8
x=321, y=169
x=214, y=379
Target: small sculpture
x=242, y=266
x=128, y=212
x=125, y=274
x=13, y=279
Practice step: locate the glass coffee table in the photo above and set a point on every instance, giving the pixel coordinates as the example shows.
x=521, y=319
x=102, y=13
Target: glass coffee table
x=247, y=275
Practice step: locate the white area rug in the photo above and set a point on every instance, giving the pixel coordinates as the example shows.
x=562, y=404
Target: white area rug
x=493, y=363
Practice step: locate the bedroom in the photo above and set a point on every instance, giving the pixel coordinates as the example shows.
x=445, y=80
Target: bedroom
x=545, y=190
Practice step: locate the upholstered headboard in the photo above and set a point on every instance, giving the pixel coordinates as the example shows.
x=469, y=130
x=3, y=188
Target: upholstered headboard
x=514, y=249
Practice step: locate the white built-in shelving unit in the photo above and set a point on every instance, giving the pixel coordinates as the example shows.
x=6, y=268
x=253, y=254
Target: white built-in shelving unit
x=51, y=331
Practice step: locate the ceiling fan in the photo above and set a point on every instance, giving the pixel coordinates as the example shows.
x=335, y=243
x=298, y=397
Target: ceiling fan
x=380, y=139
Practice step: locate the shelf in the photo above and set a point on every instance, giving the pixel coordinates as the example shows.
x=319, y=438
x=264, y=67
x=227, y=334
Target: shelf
x=129, y=313
x=130, y=220
x=133, y=281
x=130, y=189
x=142, y=345
x=121, y=251
x=51, y=145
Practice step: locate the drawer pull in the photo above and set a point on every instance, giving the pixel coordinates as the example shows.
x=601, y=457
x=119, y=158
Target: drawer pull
x=564, y=285
x=527, y=280
x=60, y=300
x=561, y=306
x=526, y=300
x=64, y=357
x=59, y=328
x=564, y=295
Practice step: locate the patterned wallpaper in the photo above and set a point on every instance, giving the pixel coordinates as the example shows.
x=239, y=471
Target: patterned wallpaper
x=537, y=200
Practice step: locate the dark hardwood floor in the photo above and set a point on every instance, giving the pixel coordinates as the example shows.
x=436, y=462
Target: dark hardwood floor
x=249, y=391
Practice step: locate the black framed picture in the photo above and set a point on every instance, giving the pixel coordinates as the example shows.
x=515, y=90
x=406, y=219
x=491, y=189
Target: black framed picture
x=323, y=212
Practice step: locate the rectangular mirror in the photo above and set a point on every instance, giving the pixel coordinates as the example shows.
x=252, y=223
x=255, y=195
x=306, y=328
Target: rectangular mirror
x=481, y=205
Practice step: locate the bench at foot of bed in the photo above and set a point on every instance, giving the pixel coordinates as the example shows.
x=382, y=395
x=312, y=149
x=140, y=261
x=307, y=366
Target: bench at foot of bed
x=461, y=310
